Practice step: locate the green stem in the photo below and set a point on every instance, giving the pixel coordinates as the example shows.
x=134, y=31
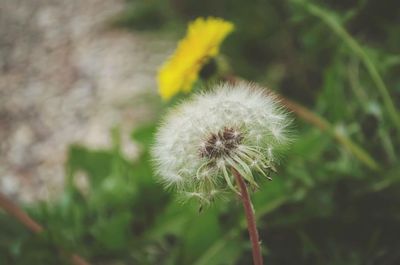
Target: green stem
x=335, y=26
x=324, y=125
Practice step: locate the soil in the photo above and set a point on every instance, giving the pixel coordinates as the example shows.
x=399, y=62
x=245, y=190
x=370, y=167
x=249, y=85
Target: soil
x=66, y=77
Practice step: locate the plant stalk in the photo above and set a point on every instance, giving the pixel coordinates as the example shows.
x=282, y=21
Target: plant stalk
x=250, y=217
x=12, y=209
x=352, y=43
x=322, y=124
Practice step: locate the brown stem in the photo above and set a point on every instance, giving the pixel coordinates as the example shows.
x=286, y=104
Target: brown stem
x=12, y=209
x=20, y=215
x=251, y=220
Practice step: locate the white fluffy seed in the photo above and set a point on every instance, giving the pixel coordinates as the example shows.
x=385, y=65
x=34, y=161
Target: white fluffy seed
x=202, y=139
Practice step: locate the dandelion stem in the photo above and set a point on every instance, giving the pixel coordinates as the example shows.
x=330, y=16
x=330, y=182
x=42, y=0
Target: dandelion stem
x=12, y=209
x=250, y=217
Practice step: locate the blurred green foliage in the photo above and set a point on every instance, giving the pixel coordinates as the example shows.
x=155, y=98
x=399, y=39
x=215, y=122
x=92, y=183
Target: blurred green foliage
x=325, y=206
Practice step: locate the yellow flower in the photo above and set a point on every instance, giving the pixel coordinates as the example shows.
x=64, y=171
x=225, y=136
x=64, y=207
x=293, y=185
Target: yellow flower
x=202, y=41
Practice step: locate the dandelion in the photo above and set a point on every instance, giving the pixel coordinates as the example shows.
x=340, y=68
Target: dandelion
x=233, y=127
x=220, y=138
x=202, y=42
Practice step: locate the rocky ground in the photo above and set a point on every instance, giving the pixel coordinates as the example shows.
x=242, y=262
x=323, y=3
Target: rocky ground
x=66, y=77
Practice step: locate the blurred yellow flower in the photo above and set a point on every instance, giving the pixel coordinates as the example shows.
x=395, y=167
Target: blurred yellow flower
x=202, y=41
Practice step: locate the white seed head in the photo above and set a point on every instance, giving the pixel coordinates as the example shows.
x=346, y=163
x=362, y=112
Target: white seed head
x=203, y=139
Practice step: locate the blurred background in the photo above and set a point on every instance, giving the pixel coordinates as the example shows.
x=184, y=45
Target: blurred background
x=79, y=106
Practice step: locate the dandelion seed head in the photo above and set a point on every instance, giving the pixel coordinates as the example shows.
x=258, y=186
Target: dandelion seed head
x=232, y=127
